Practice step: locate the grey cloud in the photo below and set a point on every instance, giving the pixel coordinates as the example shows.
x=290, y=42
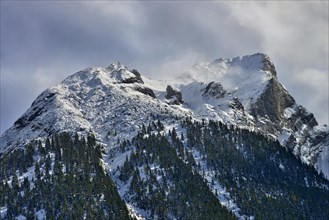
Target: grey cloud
x=295, y=35
x=43, y=42
x=186, y=33
x=63, y=31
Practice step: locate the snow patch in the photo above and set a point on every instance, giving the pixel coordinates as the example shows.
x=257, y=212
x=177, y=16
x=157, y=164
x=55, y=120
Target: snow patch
x=3, y=212
x=284, y=136
x=288, y=112
x=281, y=166
x=41, y=214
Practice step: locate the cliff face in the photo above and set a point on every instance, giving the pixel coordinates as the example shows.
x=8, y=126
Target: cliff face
x=272, y=102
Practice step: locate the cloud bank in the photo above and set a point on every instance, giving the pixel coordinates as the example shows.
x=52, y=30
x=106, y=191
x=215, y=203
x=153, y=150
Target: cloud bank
x=44, y=42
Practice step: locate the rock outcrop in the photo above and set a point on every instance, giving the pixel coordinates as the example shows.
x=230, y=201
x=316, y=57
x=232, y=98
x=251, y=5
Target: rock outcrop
x=215, y=90
x=174, y=94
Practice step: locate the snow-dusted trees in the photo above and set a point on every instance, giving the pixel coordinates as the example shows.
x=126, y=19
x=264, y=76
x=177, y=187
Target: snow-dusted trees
x=67, y=182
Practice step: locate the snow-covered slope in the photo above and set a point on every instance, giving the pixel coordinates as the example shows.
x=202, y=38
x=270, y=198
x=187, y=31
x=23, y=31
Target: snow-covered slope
x=242, y=77
x=115, y=101
x=104, y=100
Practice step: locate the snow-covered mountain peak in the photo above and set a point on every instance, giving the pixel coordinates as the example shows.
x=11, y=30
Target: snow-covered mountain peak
x=242, y=91
x=245, y=78
x=250, y=62
x=116, y=66
x=246, y=71
x=115, y=73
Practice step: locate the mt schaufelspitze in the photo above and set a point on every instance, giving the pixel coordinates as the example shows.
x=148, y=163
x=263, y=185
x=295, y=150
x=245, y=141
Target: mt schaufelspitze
x=224, y=137
x=243, y=91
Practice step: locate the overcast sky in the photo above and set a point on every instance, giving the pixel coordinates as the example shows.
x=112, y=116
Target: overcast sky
x=44, y=42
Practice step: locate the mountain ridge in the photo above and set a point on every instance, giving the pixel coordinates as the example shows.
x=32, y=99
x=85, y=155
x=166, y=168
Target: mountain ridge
x=242, y=91
x=228, y=138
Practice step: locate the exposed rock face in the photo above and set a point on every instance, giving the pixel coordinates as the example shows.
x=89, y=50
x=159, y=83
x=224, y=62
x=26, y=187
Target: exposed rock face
x=214, y=89
x=170, y=93
x=276, y=112
x=122, y=74
x=146, y=91
x=236, y=104
x=132, y=80
x=37, y=108
x=137, y=79
x=301, y=116
x=272, y=103
x=268, y=65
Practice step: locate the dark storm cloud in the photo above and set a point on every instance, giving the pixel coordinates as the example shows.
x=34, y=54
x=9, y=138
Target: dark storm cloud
x=43, y=42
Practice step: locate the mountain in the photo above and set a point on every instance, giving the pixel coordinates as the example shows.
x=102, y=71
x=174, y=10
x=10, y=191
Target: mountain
x=242, y=91
x=251, y=83
x=144, y=137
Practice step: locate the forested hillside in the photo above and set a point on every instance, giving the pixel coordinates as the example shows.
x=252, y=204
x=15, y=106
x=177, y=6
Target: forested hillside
x=189, y=170
x=62, y=178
